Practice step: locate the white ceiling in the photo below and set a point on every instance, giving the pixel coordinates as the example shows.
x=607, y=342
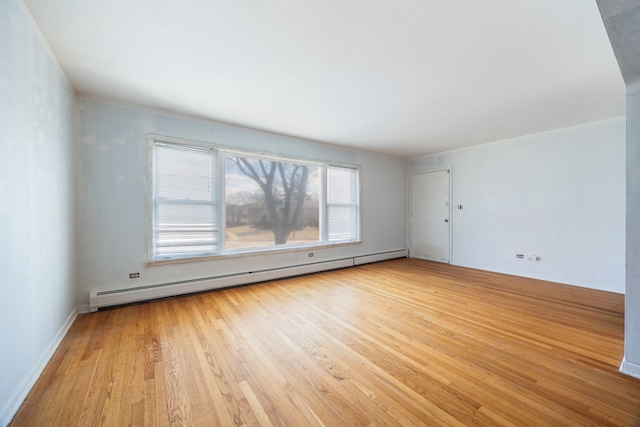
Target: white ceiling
x=406, y=77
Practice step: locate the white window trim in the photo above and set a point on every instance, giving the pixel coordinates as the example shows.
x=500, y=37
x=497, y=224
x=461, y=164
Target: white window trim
x=223, y=151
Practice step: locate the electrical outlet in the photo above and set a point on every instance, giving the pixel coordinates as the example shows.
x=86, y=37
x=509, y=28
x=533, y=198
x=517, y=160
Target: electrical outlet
x=134, y=275
x=310, y=254
x=520, y=256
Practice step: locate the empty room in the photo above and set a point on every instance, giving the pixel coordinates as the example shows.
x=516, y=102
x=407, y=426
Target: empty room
x=328, y=213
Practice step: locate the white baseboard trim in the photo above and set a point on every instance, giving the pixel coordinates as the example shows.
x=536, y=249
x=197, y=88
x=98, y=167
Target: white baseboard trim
x=110, y=298
x=631, y=369
x=11, y=406
x=384, y=256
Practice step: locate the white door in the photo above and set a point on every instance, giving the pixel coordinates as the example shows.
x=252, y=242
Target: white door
x=430, y=216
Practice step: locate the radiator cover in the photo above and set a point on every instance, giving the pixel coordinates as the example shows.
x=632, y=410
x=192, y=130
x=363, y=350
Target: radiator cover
x=102, y=299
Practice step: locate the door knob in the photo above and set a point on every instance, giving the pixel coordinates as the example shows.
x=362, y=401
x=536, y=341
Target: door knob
x=446, y=220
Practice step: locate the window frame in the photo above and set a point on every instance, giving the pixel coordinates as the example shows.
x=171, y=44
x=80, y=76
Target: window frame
x=220, y=179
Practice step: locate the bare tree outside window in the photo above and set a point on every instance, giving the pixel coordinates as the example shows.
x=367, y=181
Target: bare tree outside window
x=277, y=196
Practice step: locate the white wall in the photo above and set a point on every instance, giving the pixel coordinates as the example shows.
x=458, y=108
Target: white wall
x=112, y=200
x=559, y=195
x=36, y=206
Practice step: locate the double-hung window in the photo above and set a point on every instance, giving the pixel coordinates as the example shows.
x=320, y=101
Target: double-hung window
x=343, y=204
x=210, y=200
x=185, y=203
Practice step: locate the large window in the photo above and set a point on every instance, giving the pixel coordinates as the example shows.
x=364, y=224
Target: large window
x=211, y=201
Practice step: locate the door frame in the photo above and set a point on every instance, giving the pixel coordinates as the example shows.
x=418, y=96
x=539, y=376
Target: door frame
x=449, y=169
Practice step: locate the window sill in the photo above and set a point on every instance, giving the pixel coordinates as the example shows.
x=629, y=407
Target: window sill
x=243, y=254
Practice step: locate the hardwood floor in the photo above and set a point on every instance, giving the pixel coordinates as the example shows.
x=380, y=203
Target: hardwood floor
x=403, y=342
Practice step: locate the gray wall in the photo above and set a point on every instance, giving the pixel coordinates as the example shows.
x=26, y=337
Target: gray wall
x=631, y=364
x=36, y=206
x=622, y=21
x=558, y=195
x=112, y=199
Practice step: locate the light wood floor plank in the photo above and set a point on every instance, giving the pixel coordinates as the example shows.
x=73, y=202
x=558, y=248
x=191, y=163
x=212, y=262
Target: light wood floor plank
x=403, y=342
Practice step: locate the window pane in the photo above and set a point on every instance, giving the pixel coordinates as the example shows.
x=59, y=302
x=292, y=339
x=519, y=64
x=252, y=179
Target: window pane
x=342, y=222
x=270, y=202
x=183, y=173
x=185, y=228
x=342, y=185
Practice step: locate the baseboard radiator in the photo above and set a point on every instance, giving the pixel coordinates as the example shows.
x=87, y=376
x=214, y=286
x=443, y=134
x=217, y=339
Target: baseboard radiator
x=102, y=299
